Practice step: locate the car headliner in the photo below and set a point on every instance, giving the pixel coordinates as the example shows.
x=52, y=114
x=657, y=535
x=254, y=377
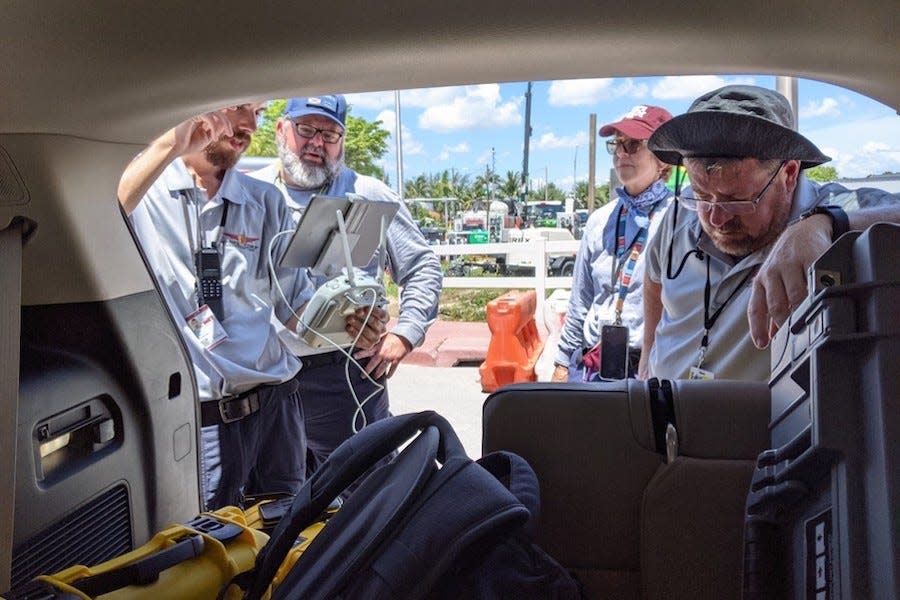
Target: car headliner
x=124, y=71
x=107, y=76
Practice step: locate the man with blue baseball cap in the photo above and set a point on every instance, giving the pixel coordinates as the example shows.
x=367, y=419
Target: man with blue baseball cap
x=310, y=139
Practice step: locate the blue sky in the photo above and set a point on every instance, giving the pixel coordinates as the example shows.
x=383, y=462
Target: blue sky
x=456, y=127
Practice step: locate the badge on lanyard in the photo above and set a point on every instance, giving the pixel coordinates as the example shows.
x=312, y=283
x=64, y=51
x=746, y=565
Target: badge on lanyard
x=698, y=373
x=206, y=327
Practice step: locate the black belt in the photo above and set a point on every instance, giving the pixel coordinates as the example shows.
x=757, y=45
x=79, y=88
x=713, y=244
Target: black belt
x=312, y=361
x=230, y=409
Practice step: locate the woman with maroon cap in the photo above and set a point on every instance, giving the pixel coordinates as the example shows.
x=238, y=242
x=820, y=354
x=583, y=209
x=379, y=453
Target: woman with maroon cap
x=606, y=298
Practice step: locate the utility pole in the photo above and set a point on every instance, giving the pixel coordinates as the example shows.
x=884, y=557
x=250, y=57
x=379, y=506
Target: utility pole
x=546, y=183
x=787, y=87
x=493, y=171
x=399, y=144
x=592, y=161
x=575, y=171
x=525, y=181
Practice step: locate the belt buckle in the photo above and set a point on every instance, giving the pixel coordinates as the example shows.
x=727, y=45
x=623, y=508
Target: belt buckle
x=244, y=407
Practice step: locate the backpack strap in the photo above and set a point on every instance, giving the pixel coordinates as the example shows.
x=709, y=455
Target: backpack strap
x=516, y=474
x=348, y=462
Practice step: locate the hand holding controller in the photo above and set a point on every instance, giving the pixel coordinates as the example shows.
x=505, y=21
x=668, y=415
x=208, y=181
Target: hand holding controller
x=324, y=318
x=327, y=311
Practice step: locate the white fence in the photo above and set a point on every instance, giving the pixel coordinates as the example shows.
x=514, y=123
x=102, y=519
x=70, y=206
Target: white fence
x=540, y=282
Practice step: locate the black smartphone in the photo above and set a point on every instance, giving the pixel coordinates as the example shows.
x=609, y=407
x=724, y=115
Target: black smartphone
x=613, y=352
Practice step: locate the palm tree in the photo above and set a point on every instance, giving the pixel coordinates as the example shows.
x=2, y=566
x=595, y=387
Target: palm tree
x=419, y=187
x=512, y=187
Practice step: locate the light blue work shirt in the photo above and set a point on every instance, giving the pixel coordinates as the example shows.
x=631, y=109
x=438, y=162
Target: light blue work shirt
x=251, y=354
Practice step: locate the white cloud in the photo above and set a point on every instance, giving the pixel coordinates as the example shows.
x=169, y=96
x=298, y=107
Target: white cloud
x=689, y=87
x=629, y=88
x=827, y=107
x=481, y=107
x=389, y=122
x=860, y=148
x=578, y=92
x=460, y=148
x=425, y=97
x=549, y=141
x=371, y=100
x=484, y=158
x=418, y=98
x=584, y=92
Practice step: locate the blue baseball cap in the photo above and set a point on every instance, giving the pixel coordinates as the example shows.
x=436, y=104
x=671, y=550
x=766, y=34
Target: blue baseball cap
x=332, y=107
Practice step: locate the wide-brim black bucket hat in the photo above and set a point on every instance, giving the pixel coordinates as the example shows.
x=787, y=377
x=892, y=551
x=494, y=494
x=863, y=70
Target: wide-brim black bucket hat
x=736, y=121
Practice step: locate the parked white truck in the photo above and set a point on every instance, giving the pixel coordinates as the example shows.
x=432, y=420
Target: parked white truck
x=521, y=262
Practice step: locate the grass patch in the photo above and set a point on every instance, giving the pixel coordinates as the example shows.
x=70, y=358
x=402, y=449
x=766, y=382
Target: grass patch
x=456, y=304
x=460, y=304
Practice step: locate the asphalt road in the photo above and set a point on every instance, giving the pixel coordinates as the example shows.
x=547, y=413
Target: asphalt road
x=453, y=392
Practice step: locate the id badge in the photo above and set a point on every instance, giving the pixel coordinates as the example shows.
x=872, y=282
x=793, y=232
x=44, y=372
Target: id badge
x=698, y=373
x=206, y=327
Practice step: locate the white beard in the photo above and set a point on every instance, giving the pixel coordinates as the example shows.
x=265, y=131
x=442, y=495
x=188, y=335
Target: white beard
x=303, y=175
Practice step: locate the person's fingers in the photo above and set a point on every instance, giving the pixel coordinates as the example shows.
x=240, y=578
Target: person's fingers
x=364, y=352
x=758, y=315
x=375, y=363
x=391, y=368
x=220, y=124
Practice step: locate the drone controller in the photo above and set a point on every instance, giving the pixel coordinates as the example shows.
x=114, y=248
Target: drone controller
x=325, y=315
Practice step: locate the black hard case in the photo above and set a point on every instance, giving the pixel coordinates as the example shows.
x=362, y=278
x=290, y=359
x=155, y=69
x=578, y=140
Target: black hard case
x=823, y=514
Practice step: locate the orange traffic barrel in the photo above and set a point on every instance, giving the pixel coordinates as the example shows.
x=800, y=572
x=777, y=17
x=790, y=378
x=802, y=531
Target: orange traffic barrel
x=515, y=343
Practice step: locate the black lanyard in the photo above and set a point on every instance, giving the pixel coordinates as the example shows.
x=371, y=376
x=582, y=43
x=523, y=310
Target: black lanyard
x=710, y=320
x=189, y=196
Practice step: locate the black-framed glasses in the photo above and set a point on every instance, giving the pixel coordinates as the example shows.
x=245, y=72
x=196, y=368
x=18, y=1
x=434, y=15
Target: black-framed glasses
x=733, y=207
x=329, y=136
x=629, y=146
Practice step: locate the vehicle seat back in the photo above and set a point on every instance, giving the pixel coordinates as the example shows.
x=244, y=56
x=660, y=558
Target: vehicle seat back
x=613, y=512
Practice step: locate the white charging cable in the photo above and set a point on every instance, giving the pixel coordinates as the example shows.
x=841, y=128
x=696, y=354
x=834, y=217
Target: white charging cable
x=378, y=387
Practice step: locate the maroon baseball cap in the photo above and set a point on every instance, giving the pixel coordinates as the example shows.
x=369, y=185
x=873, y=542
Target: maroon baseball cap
x=639, y=123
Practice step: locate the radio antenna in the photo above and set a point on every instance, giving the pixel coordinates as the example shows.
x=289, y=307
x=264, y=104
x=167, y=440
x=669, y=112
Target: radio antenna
x=382, y=239
x=346, y=245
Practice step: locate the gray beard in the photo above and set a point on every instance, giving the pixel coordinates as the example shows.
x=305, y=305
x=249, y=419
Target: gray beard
x=305, y=176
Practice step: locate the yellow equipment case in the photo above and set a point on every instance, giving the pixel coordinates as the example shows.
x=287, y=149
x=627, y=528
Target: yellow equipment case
x=198, y=560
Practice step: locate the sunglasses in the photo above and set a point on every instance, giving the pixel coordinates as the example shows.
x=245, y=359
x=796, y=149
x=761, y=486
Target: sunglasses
x=629, y=146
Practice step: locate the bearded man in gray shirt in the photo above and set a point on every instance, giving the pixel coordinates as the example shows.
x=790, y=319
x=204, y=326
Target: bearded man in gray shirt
x=310, y=138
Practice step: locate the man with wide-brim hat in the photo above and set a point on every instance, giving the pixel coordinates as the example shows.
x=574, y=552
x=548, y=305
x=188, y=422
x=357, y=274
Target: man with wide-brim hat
x=721, y=256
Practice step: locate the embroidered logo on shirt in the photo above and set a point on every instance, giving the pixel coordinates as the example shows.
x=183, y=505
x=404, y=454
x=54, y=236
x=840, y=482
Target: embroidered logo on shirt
x=242, y=241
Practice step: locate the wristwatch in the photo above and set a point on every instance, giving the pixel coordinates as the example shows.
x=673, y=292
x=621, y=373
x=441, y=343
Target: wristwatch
x=840, y=223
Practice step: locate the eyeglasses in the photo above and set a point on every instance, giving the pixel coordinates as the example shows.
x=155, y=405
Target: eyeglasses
x=629, y=146
x=733, y=207
x=329, y=136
